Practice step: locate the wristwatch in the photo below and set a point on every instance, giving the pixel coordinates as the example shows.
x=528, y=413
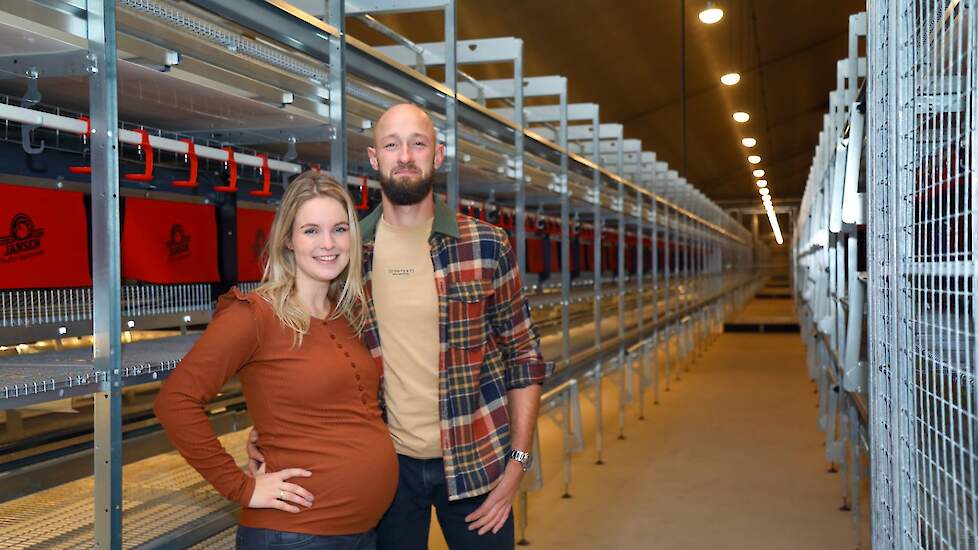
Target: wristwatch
x=523, y=457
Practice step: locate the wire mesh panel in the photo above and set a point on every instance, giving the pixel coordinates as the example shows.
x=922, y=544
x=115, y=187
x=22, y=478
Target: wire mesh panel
x=923, y=341
x=881, y=326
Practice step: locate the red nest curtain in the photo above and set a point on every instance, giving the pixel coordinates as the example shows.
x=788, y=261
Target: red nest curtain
x=43, y=238
x=169, y=242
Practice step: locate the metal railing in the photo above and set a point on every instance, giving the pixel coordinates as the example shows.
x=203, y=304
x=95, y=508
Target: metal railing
x=632, y=378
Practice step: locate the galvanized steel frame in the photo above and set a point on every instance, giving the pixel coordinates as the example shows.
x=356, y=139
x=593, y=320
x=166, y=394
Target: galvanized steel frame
x=673, y=209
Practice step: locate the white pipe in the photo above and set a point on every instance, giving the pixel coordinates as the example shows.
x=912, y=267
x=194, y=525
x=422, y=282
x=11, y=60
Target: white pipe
x=76, y=126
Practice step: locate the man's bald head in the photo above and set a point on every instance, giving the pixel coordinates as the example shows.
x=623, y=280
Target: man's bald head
x=401, y=117
x=406, y=153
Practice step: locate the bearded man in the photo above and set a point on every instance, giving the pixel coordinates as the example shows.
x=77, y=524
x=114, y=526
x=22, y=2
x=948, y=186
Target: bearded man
x=460, y=357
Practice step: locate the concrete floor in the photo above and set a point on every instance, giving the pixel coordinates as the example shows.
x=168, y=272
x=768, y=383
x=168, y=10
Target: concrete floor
x=730, y=458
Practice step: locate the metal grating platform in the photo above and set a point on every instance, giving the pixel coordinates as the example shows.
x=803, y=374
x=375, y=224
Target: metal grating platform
x=34, y=378
x=161, y=494
x=221, y=541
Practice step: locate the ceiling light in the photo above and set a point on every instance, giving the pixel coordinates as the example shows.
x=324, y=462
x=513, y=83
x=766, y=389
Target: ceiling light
x=711, y=14
x=766, y=199
x=762, y=183
x=749, y=142
x=754, y=159
x=763, y=191
x=741, y=116
x=730, y=78
x=758, y=173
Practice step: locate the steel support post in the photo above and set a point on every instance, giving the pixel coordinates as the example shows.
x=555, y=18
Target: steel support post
x=655, y=301
x=451, y=111
x=565, y=252
x=667, y=300
x=599, y=414
x=854, y=473
x=524, y=509
x=568, y=449
x=621, y=280
x=679, y=296
x=640, y=276
x=106, y=271
x=337, y=91
x=598, y=289
x=518, y=144
x=623, y=368
x=901, y=154
x=687, y=282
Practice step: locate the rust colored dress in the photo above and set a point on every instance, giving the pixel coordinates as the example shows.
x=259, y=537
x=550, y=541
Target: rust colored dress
x=315, y=407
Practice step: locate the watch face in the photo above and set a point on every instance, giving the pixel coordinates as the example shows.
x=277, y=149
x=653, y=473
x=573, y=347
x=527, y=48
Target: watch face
x=524, y=458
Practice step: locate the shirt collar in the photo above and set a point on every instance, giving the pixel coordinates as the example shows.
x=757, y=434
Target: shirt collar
x=444, y=223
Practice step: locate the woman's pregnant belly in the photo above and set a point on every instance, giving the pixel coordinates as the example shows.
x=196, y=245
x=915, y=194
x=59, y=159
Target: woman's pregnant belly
x=353, y=480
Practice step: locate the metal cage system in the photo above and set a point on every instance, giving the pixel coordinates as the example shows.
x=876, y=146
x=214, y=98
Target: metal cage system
x=214, y=104
x=884, y=264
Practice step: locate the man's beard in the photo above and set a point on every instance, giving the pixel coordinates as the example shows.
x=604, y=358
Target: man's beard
x=407, y=192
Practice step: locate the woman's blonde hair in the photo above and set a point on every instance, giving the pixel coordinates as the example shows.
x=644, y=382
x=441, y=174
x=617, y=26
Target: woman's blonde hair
x=345, y=292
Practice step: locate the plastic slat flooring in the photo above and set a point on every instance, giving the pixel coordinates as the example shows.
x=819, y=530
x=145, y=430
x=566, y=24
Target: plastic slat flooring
x=221, y=541
x=159, y=494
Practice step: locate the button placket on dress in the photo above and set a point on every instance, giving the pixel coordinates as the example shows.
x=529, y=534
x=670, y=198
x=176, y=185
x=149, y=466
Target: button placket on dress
x=356, y=369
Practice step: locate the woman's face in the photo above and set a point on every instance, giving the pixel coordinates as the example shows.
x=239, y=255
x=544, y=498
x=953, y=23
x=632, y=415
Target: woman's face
x=320, y=240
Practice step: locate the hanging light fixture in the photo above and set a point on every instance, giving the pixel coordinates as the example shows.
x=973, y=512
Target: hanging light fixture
x=762, y=183
x=711, y=14
x=763, y=191
x=741, y=116
x=754, y=159
x=749, y=142
x=730, y=78
x=758, y=173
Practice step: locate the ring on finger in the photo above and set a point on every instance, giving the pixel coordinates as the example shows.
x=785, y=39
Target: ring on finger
x=281, y=494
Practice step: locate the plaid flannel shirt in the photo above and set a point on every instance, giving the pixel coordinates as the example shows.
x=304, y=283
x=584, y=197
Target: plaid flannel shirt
x=487, y=343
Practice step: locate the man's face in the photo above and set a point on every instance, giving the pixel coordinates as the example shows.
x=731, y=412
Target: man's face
x=406, y=154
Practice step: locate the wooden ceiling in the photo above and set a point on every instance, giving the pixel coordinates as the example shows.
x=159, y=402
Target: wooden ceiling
x=625, y=56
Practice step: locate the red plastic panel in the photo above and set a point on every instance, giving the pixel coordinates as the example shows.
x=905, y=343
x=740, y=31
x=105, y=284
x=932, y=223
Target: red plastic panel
x=254, y=226
x=169, y=242
x=43, y=238
x=534, y=255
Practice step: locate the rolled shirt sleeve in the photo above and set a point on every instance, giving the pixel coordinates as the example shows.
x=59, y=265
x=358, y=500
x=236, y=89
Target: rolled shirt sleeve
x=515, y=333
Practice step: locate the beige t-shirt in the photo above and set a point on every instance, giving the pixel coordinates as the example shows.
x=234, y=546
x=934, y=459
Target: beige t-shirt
x=406, y=303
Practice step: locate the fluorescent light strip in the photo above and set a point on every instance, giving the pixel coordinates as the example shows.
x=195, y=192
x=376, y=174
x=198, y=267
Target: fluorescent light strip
x=773, y=218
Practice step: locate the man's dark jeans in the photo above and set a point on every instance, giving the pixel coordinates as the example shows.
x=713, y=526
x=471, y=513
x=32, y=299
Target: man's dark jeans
x=422, y=485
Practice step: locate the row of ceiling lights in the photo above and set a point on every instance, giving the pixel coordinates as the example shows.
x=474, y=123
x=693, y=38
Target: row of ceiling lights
x=712, y=14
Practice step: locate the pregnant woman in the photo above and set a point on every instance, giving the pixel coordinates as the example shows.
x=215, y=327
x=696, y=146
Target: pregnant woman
x=309, y=384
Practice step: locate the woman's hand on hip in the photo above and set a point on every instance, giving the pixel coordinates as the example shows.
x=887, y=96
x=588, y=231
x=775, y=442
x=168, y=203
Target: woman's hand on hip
x=273, y=491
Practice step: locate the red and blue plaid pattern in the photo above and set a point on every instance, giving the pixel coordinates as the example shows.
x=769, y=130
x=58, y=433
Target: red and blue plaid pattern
x=488, y=343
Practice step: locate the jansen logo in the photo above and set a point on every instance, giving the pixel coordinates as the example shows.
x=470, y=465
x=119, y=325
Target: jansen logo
x=179, y=243
x=24, y=237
